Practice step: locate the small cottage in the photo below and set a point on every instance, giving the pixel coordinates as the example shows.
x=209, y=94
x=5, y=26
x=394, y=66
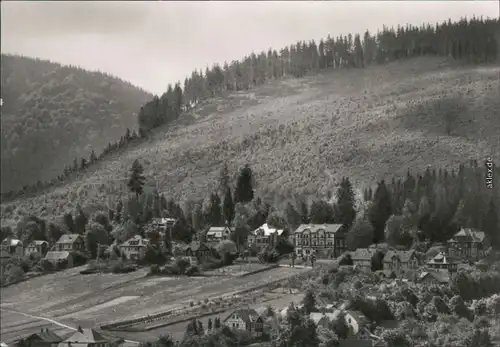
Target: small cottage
x=434, y=277
x=60, y=260
x=197, y=249
x=89, y=338
x=38, y=247
x=215, y=235
x=11, y=247
x=362, y=257
x=322, y=319
x=246, y=319
x=443, y=262
x=356, y=321
x=400, y=260
x=43, y=338
x=70, y=242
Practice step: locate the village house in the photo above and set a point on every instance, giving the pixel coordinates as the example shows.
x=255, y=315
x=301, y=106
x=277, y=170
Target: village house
x=63, y=259
x=442, y=261
x=43, y=338
x=215, y=235
x=265, y=235
x=134, y=248
x=197, y=249
x=245, y=319
x=39, y=247
x=468, y=244
x=434, y=277
x=321, y=319
x=89, y=338
x=326, y=238
x=358, y=324
x=164, y=225
x=70, y=242
x=11, y=248
x=401, y=260
x=362, y=258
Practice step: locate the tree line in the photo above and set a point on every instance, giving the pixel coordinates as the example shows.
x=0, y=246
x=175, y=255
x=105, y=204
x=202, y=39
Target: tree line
x=473, y=40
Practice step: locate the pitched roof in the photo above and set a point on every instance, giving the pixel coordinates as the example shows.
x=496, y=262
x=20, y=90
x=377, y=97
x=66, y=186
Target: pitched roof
x=440, y=276
x=441, y=258
x=358, y=316
x=135, y=241
x=317, y=316
x=37, y=243
x=218, y=231
x=246, y=314
x=469, y=235
x=11, y=242
x=46, y=335
x=404, y=256
x=267, y=230
x=68, y=238
x=362, y=254
x=86, y=336
x=314, y=228
x=54, y=255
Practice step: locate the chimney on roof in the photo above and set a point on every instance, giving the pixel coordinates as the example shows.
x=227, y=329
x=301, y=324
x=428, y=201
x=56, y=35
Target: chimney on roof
x=80, y=329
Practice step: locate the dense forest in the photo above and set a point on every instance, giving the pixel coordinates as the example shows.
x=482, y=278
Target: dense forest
x=53, y=113
x=472, y=41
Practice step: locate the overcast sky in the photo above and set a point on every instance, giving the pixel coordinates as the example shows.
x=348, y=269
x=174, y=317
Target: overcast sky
x=154, y=43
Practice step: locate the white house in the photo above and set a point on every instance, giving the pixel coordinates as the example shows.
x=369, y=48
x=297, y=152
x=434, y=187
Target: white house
x=264, y=235
x=356, y=321
x=134, y=248
x=215, y=235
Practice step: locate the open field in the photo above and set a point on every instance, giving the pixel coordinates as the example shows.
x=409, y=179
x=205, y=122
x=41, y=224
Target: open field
x=303, y=134
x=97, y=299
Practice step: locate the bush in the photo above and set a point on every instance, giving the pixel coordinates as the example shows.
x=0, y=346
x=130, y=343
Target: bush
x=79, y=258
x=269, y=255
x=192, y=270
x=211, y=263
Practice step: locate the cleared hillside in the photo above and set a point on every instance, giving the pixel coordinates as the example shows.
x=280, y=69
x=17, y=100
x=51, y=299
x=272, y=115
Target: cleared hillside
x=301, y=135
x=53, y=113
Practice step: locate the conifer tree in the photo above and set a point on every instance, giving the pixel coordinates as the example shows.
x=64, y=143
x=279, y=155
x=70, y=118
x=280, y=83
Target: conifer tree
x=346, y=202
x=380, y=211
x=136, y=179
x=244, y=189
x=228, y=207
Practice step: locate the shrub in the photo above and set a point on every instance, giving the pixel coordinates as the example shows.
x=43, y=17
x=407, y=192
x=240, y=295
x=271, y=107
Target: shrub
x=79, y=258
x=192, y=270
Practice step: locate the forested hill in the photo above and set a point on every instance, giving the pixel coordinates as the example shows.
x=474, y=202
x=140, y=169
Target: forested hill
x=53, y=113
x=472, y=41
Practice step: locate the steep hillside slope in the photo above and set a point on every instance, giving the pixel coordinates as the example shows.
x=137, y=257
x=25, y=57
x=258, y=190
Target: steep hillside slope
x=302, y=134
x=52, y=114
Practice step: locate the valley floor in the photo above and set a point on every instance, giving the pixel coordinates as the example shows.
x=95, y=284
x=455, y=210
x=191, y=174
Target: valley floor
x=71, y=299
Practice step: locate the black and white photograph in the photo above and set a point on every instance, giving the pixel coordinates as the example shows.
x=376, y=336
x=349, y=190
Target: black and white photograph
x=250, y=173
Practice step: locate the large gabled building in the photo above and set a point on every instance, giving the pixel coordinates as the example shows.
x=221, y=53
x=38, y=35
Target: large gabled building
x=329, y=239
x=468, y=244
